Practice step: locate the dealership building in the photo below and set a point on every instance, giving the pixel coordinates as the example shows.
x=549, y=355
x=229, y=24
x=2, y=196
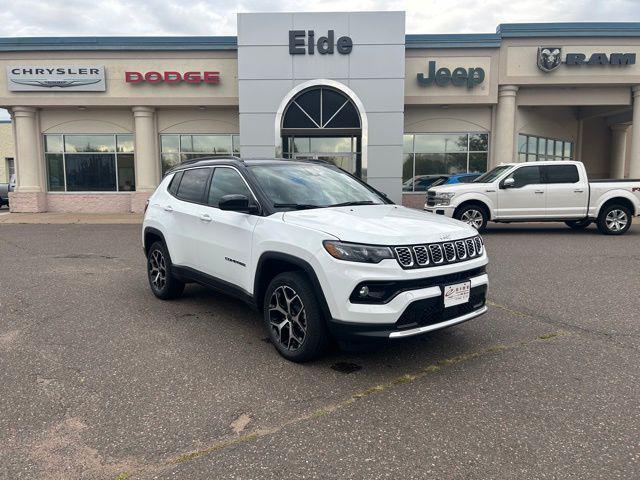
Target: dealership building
x=97, y=121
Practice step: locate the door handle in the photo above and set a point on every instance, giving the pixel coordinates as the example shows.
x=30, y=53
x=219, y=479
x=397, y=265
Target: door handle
x=578, y=191
x=205, y=217
x=168, y=208
x=538, y=191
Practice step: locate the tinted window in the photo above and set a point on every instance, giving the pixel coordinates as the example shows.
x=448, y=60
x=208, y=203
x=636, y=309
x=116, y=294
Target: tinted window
x=561, y=174
x=90, y=172
x=526, y=176
x=467, y=179
x=193, y=184
x=226, y=181
x=175, y=182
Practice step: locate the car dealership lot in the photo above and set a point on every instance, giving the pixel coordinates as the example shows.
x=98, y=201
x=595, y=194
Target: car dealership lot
x=98, y=379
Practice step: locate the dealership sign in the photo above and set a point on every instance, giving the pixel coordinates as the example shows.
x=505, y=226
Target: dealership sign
x=172, y=77
x=458, y=77
x=78, y=78
x=550, y=58
x=324, y=45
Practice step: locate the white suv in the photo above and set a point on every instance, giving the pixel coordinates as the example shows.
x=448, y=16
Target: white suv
x=318, y=251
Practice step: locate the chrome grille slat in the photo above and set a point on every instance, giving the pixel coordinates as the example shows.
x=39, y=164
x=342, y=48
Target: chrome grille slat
x=422, y=255
x=435, y=249
x=439, y=253
x=404, y=256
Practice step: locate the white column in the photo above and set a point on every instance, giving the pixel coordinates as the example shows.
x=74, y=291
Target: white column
x=26, y=149
x=618, y=150
x=146, y=156
x=505, y=127
x=634, y=160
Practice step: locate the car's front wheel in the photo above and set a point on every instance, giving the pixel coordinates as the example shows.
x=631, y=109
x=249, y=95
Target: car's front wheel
x=294, y=319
x=473, y=215
x=614, y=220
x=163, y=283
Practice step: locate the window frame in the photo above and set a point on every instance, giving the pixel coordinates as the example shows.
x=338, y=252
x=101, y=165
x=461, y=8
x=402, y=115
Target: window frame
x=541, y=174
x=253, y=195
x=468, y=152
x=206, y=186
x=547, y=168
x=537, y=154
x=64, y=153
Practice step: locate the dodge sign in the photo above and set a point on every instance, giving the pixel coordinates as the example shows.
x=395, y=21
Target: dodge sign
x=54, y=78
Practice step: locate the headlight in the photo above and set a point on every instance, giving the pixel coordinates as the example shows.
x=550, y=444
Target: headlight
x=443, y=198
x=356, y=252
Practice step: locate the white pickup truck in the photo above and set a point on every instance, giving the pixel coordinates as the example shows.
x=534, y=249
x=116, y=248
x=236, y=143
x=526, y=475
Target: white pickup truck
x=556, y=191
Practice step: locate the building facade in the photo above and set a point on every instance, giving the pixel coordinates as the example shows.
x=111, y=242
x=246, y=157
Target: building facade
x=97, y=121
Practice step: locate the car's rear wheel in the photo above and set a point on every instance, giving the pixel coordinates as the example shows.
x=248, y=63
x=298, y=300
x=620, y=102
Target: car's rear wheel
x=578, y=224
x=473, y=215
x=614, y=220
x=294, y=319
x=163, y=283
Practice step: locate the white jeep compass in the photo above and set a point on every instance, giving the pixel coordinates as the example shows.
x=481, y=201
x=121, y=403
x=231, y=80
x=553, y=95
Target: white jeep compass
x=318, y=251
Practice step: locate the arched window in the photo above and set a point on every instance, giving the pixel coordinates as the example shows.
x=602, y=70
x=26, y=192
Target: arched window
x=321, y=108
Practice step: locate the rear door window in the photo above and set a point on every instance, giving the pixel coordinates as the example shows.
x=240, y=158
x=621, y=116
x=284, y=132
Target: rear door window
x=561, y=174
x=193, y=185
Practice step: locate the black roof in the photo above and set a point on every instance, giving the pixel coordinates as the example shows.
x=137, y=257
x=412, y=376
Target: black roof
x=231, y=160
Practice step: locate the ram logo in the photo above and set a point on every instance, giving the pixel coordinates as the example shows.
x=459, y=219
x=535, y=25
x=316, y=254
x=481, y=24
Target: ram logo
x=549, y=58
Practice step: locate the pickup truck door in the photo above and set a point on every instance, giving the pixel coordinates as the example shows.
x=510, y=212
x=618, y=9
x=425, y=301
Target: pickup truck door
x=229, y=234
x=526, y=198
x=567, y=193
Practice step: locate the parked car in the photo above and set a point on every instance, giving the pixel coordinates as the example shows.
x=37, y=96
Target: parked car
x=556, y=191
x=421, y=183
x=5, y=188
x=320, y=253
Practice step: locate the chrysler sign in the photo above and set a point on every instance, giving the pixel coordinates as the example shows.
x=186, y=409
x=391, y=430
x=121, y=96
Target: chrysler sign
x=77, y=78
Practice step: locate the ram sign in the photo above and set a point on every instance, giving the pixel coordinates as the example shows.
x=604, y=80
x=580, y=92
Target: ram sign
x=56, y=78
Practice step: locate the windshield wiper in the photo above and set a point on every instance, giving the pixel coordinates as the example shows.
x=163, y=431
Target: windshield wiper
x=350, y=204
x=297, y=206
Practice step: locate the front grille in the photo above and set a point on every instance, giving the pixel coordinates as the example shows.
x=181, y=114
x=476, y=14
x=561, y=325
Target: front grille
x=404, y=256
x=441, y=253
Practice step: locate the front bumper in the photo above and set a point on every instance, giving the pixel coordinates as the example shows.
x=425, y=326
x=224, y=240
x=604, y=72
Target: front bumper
x=446, y=210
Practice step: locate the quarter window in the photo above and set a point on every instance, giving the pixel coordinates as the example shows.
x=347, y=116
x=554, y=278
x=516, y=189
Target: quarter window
x=176, y=149
x=532, y=149
x=90, y=163
x=226, y=181
x=428, y=155
x=193, y=184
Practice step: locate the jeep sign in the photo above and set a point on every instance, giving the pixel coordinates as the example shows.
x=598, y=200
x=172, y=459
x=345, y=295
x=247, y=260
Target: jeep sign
x=458, y=77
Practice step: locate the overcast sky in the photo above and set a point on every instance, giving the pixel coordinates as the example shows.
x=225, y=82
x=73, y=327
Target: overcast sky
x=218, y=17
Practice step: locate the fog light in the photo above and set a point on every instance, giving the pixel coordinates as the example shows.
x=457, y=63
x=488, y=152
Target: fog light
x=364, y=291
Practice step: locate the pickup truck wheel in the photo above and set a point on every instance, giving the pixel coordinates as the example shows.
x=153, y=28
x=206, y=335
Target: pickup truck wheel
x=294, y=319
x=162, y=282
x=614, y=220
x=578, y=224
x=473, y=215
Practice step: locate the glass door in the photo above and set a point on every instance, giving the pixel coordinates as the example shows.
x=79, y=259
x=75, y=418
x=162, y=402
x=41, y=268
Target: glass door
x=341, y=151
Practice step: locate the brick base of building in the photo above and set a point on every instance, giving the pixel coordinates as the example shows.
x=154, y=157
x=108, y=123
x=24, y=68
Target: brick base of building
x=414, y=200
x=117, y=202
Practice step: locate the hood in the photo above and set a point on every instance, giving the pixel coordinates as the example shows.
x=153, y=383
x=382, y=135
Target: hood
x=462, y=188
x=380, y=224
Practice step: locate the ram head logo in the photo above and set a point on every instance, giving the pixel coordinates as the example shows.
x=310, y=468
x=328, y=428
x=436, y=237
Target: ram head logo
x=549, y=58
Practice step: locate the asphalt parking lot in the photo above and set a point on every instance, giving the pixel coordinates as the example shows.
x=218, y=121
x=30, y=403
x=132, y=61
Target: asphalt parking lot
x=99, y=380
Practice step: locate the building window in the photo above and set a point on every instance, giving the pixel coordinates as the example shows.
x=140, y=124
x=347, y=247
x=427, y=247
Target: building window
x=90, y=163
x=429, y=155
x=175, y=149
x=11, y=167
x=532, y=149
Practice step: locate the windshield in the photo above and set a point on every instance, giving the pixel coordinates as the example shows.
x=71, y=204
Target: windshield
x=309, y=186
x=491, y=175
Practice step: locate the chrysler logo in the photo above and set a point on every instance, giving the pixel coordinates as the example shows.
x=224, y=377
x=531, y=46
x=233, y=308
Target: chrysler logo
x=549, y=58
x=56, y=83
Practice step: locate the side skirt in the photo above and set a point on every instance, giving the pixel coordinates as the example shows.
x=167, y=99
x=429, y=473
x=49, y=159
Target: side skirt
x=188, y=274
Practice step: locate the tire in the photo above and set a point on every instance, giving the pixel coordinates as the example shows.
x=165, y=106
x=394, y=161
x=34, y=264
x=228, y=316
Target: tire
x=163, y=283
x=578, y=224
x=293, y=318
x=614, y=219
x=474, y=215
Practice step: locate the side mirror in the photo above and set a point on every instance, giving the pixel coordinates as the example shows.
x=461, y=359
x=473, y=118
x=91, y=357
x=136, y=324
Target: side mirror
x=508, y=183
x=237, y=203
